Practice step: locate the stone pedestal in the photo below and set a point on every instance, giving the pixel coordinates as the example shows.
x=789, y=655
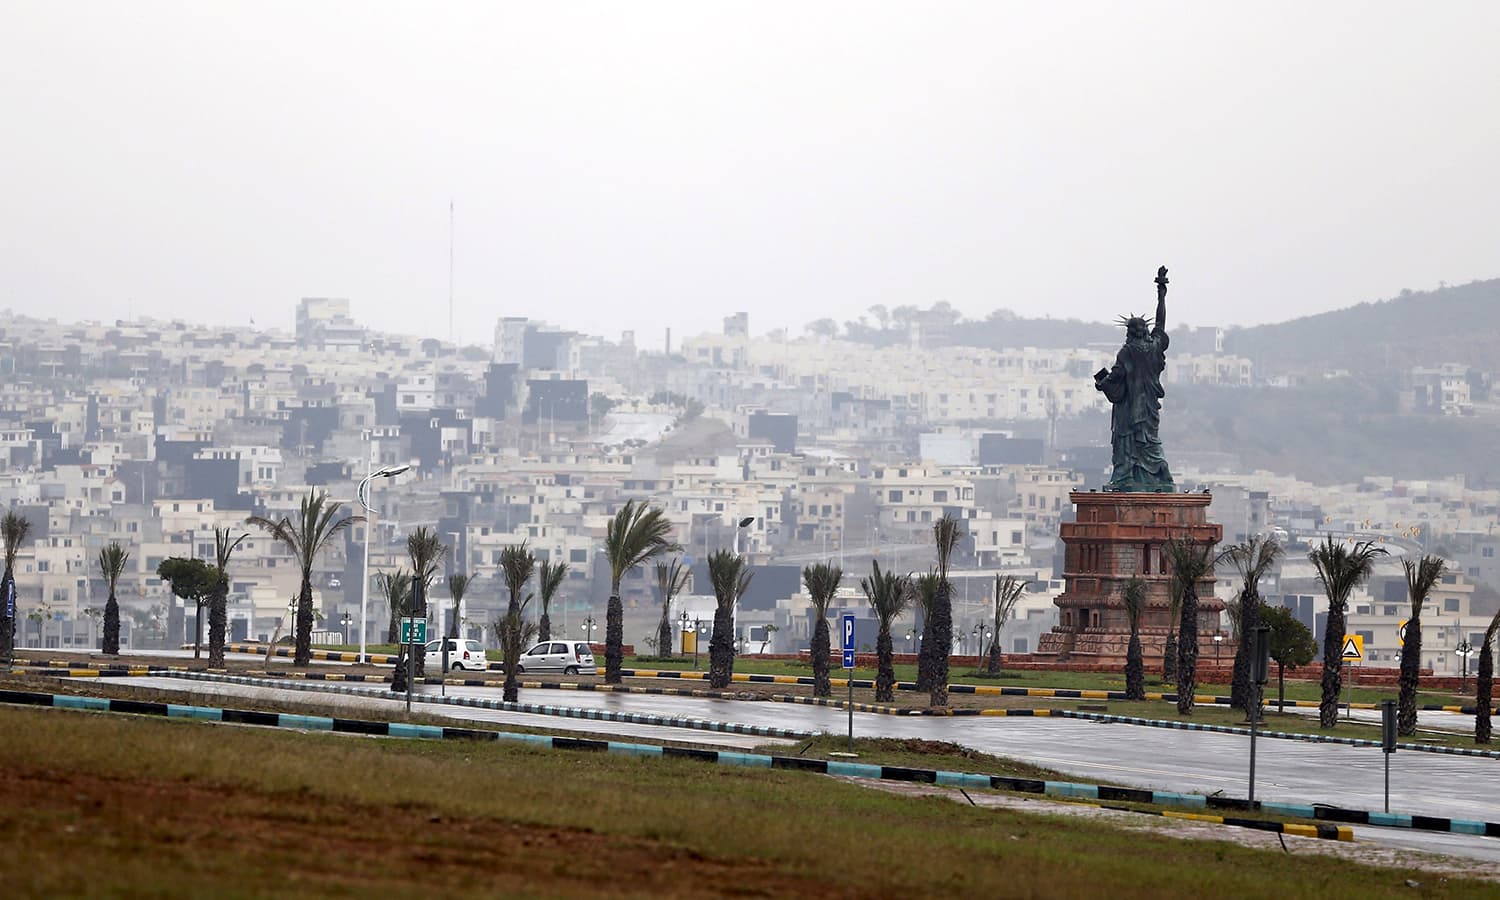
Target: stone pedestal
x=1117, y=537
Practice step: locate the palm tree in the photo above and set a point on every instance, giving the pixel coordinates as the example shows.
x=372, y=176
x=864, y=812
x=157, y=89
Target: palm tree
x=730, y=577
x=636, y=535
x=111, y=566
x=426, y=553
x=458, y=585
x=889, y=596
x=314, y=529
x=397, y=589
x=14, y=529
x=1421, y=577
x=1252, y=559
x=924, y=590
x=549, y=578
x=1484, y=682
x=670, y=580
x=1134, y=597
x=1008, y=589
x=218, y=600
x=1191, y=561
x=1341, y=568
x=517, y=564
x=822, y=582
x=1174, y=612
x=946, y=533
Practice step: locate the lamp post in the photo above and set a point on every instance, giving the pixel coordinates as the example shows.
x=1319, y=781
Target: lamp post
x=911, y=646
x=702, y=630
x=345, y=619
x=362, y=494
x=739, y=527
x=682, y=621
x=1463, y=651
x=1218, y=642
x=588, y=625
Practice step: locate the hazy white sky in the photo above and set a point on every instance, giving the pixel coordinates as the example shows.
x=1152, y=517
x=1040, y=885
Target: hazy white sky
x=634, y=165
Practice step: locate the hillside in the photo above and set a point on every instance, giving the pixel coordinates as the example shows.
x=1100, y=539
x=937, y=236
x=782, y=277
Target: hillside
x=1459, y=324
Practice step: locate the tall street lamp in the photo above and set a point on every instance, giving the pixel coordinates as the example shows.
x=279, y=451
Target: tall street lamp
x=739, y=527
x=362, y=493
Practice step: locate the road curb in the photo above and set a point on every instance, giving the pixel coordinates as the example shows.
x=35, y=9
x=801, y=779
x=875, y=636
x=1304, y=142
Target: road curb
x=569, y=712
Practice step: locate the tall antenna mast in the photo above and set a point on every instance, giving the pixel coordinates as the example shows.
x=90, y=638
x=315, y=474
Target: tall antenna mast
x=450, y=271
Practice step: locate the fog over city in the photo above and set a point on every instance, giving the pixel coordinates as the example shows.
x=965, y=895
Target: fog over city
x=640, y=166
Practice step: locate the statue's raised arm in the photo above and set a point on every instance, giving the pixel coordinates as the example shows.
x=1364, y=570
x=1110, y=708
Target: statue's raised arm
x=1161, y=300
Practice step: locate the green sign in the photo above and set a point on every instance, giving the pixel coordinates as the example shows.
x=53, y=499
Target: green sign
x=410, y=624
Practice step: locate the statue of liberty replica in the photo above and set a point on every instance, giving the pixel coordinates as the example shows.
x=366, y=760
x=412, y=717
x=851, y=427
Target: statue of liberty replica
x=1133, y=387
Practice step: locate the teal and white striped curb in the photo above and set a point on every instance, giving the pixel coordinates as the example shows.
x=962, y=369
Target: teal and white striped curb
x=570, y=712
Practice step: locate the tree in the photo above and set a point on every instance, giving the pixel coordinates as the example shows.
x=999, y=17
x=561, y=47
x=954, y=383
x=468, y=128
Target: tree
x=822, y=582
x=1191, y=561
x=218, y=601
x=825, y=328
x=397, y=589
x=1291, y=644
x=889, y=596
x=1421, y=577
x=112, y=560
x=193, y=580
x=316, y=525
x=1484, y=678
x=1174, y=612
x=426, y=553
x=1341, y=568
x=517, y=564
x=1008, y=590
x=1133, y=595
x=14, y=529
x=549, y=580
x=730, y=577
x=924, y=590
x=946, y=533
x=1252, y=559
x=671, y=578
x=636, y=535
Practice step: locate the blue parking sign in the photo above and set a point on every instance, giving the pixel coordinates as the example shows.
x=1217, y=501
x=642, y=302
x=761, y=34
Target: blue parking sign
x=848, y=634
x=848, y=659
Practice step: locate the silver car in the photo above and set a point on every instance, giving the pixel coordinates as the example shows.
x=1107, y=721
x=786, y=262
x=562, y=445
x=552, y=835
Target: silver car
x=567, y=657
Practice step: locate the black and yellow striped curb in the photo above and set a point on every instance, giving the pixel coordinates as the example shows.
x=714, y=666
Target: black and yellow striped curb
x=569, y=712
x=1068, y=790
x=1326, y=832
x=325, y=655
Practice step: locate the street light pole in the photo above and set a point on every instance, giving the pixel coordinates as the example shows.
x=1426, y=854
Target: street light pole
x=740, y=526
x=362, y=494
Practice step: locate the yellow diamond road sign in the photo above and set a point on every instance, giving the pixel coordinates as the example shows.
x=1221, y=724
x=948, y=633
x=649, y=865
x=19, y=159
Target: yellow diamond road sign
x=1354, y=647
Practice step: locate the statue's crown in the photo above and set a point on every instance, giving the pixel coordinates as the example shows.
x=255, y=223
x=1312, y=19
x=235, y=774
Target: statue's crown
x=1127, y=321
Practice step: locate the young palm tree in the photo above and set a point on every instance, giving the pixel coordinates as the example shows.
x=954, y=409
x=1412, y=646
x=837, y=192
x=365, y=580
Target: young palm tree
x=1174, y=612
x=924, y=591
x=730, y=577
x=1008, y=590
x=1191, y=560
x=822, y=582
x=397, y=589
x=426, y=553
x=1341, y=568
x=314, y=529
x=635, y=536
x=1134, y=597
x=458, y=586
x=14, y=529
x=111, y=566
x=1484, y=683
x=218, y=601
x=946, y=533
x=889, y=596
x=670, y=580
x=1421, y=577
x=517, y=565
x=549, y=578
x=1252, y=559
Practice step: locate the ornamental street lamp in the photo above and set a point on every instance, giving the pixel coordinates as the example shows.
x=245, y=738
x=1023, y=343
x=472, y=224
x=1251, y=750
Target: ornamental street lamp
x=1218, y=642
x=589, y=625
x=1464, y=650
x=345, y=619
x=682, y=629
x=702, y=630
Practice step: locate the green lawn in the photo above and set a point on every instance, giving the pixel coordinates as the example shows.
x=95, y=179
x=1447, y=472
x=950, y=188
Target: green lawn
x=186, y=809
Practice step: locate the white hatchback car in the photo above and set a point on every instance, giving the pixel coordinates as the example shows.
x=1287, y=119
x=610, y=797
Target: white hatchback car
x=567, y=657
x=462, y=654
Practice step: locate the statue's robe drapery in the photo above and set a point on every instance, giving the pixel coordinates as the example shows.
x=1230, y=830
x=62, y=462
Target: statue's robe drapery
x=1133, y=386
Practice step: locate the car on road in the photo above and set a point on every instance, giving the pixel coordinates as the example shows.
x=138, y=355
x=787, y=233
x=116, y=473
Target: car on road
x=567, y=657
x=462, y=654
